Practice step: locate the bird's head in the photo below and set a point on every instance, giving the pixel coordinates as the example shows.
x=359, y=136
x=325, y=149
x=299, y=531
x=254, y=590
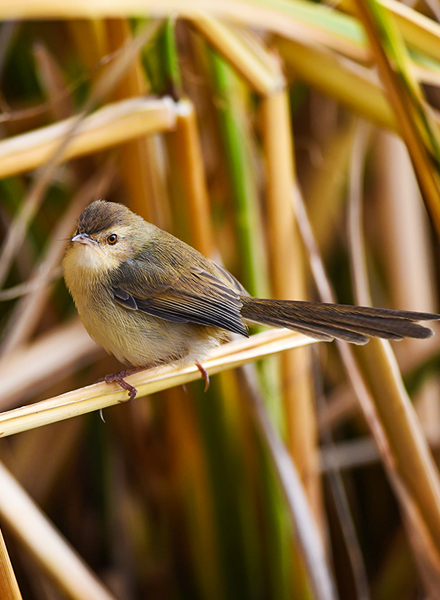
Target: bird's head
x=107, y=235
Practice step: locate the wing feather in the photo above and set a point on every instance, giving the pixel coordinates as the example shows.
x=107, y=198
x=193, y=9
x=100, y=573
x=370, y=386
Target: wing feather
x=196, y=296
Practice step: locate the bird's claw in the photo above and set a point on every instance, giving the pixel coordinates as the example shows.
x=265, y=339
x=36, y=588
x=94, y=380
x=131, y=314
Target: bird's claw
x=204, y=373
x=119, y=379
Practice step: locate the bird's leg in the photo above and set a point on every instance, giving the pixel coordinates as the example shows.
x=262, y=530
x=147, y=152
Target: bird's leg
x=119, y=379
x=204, y=373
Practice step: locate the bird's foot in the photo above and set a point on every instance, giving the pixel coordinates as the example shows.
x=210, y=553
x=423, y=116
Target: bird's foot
x=119, y=379
x=204, y=373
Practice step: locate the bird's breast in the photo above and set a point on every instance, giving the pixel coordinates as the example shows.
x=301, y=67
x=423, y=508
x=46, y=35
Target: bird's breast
x=134, y=337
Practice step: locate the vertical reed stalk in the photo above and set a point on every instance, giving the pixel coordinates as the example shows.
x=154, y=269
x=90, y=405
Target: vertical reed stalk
x=9, y=589
x=138, y=159
x=287, y=261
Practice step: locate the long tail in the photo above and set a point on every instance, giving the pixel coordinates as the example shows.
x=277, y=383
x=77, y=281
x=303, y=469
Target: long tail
x=329, y=321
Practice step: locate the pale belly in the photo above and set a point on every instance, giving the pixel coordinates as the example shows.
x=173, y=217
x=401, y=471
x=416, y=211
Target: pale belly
x=141, y=340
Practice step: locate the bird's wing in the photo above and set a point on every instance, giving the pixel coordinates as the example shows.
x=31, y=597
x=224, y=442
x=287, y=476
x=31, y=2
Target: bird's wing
x=194, y=296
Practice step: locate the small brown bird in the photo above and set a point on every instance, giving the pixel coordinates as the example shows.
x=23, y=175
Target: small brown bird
x=148, y=298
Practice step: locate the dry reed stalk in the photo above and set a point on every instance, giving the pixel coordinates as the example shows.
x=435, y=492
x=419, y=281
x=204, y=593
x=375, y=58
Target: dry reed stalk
x=101, y=395
x=190, y=468
x=358, y=261
x=137, y=158
x=45, y=544
x=410, y=269
x=336, y=483
x=296, y=19
x=417, y=30
x=395, y=427
x=405, y=451
x=90, y=40
x=256, y=65
x=406, y=98
x=188, y=154
x=107, y=127
x=192, y=220
x=350, y=84
x=342, y=403
x=288, y=281
x=293, y=18
x=238, y=146
x=408, y=459
x=9, y=589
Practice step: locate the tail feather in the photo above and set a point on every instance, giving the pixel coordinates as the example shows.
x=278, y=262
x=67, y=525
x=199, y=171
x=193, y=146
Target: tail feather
x=355, y=324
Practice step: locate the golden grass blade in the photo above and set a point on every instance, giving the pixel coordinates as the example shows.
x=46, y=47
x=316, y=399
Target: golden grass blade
x=9, y=589
x=45, y=543
x=191, y=472
x=102, y=395
x=224, y=415
x=255, y=64
x=107, y=127
x=299, y=19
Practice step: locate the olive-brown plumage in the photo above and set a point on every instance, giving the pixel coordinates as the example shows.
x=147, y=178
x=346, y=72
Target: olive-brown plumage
x=148, y=298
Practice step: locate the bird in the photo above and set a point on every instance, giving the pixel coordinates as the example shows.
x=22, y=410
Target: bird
x=150, y=299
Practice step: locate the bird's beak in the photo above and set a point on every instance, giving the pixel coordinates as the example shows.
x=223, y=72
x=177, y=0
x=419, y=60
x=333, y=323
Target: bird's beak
x=83, y=238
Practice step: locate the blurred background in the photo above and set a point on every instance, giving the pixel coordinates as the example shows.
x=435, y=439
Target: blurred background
x=212, y=126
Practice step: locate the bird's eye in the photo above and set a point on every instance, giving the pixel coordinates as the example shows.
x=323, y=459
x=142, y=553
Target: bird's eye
x=112, y=239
